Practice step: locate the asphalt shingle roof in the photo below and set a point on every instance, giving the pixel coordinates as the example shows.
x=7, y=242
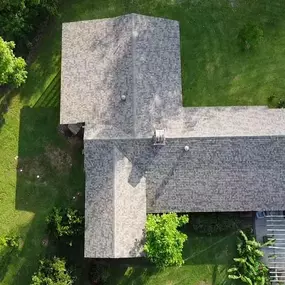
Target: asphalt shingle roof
x=133, y=56
x=236, y=155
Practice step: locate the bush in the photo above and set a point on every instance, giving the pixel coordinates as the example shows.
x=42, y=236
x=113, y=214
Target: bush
x=250, y=36
x=164, y=242
x=65, y=222
x=99, y=274
x=215, y=223
x=10, y=241
x=275, y=102
x=248, y=267
x=52, y=272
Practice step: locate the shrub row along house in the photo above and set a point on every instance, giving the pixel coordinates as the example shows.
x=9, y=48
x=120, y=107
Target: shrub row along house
x=146, y=153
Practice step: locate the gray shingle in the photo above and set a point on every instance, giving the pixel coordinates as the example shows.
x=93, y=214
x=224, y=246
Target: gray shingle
x=216, y=174
x=99, y=199
x=115, y=207
x=130, y=208
x=133, y=56
x=96, y=72
x=236, y=155
x=219, y=174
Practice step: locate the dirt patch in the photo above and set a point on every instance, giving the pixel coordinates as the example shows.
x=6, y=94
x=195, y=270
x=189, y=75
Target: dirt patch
x=59, y=159
x=32, y=167
x=36, y=167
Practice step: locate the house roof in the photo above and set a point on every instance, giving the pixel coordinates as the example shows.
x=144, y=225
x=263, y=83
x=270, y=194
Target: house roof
x=215, y=174
x=235, y=157
x=115, y=209
x=133, y=56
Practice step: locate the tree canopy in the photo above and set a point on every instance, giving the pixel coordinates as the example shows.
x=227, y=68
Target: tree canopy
x=12, y=68
x=164, y=242
x=52, y=272
x=19, y=17
x=65, y=222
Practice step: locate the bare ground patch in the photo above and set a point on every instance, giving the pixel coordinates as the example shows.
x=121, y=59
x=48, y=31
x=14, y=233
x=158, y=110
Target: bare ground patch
x=59, y=159
x=31, y=167
x=35, y=167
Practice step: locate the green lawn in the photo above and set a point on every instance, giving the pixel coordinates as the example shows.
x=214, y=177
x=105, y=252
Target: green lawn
x=31, y=134
x=215, y=72
x=206, y=262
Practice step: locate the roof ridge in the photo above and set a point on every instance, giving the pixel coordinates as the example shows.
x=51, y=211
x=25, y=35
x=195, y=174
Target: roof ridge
x=114, y=200
x=134, y=75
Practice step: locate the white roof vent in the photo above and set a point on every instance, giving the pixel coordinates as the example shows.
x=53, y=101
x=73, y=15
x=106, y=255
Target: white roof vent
x=123, y=98
x=159, y=137
x=186, y=148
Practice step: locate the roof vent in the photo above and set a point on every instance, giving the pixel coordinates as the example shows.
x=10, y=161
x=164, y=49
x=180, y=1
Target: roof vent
x=123, y=97
x=159, y=137
x=186, y=148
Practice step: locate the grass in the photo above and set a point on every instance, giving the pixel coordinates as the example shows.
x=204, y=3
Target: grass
x=206, y=262
x=215, y=72
x=31, y=134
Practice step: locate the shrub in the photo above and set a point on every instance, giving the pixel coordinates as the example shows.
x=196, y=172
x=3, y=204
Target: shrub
x=281, y=103
x=250, y=36
x=164, y=242
x=10, y=241
x=248, y=267
x=215, y=223
x=65, y=222
x=275, y=102
x=52, y=272
x=12, y=68
x=99, y=274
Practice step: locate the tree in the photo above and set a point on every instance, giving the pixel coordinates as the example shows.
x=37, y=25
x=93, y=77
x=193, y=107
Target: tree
x=65, y=222
x=248, y=267
x=18, y=18
x=12, y=68
x=52, y=272
x=164, y=242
